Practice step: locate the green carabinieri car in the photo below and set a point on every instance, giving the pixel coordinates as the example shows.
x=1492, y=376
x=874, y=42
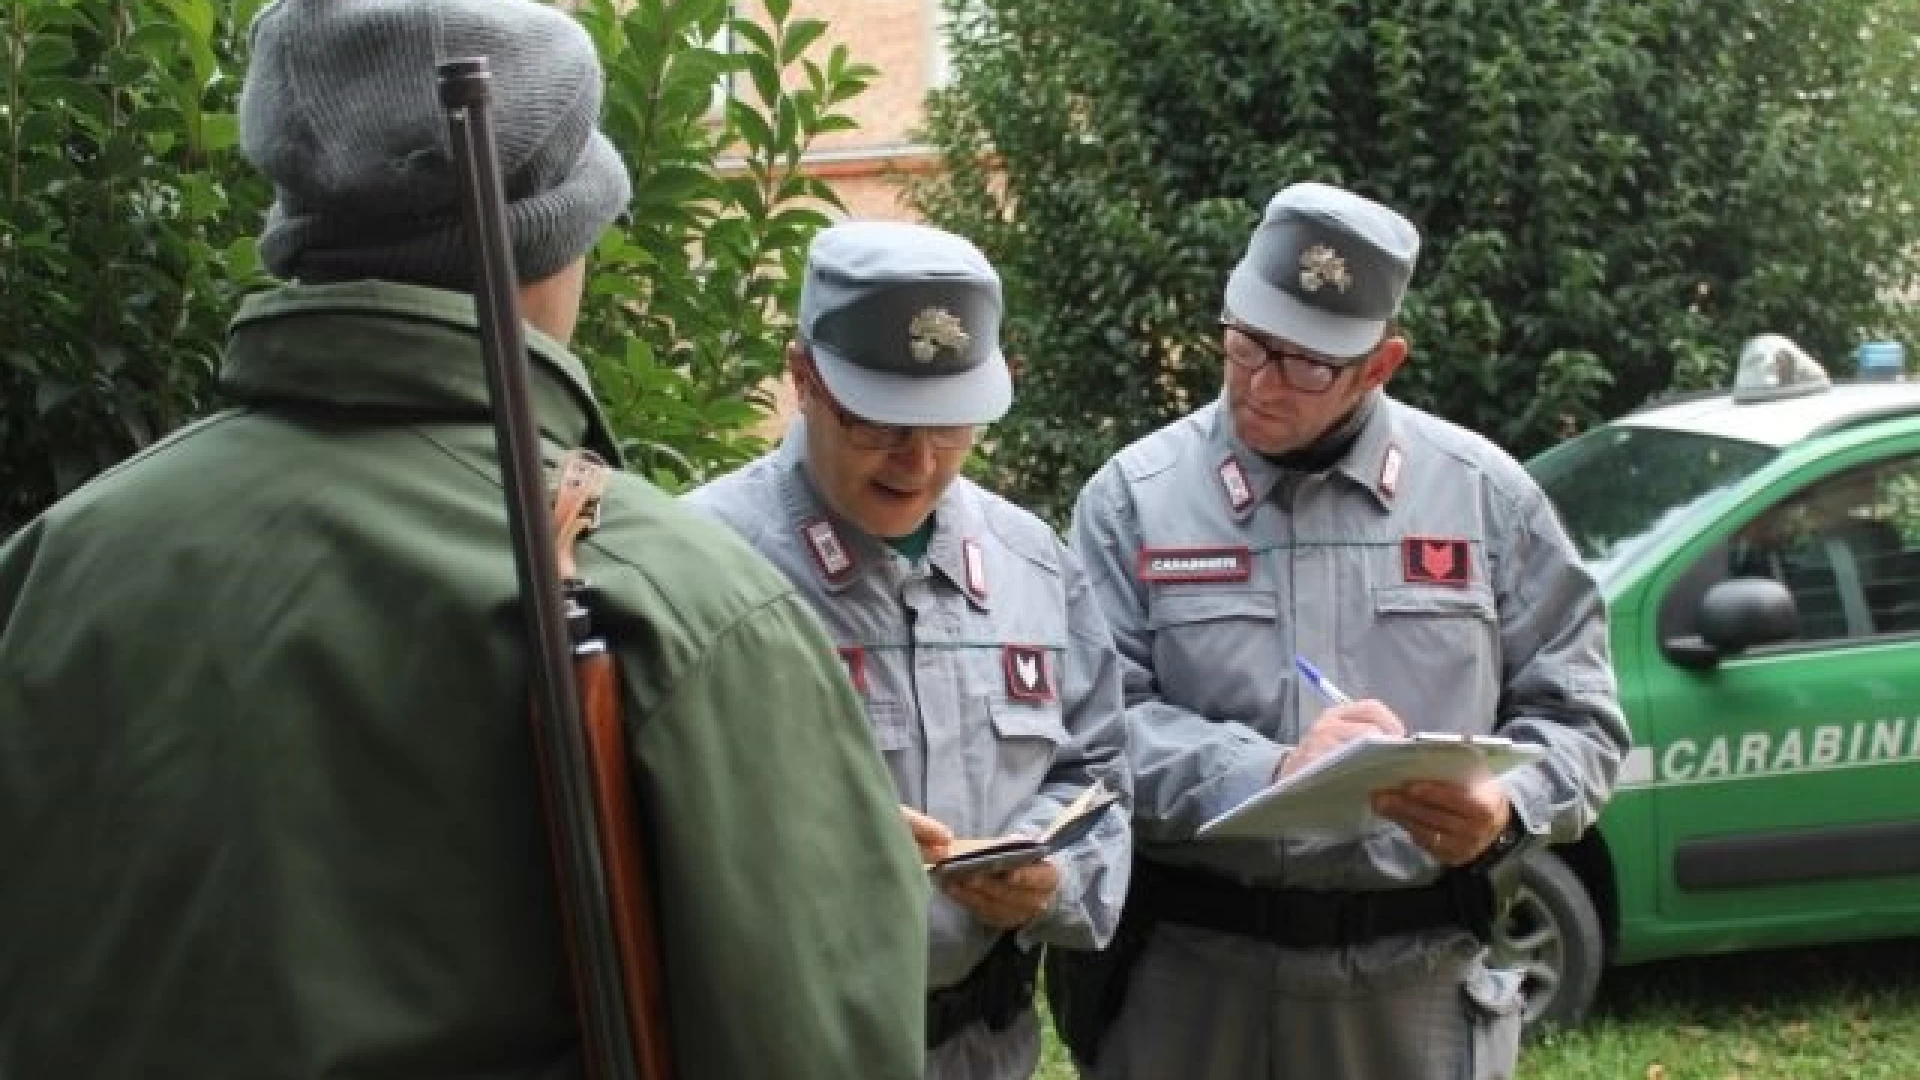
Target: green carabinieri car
x=1760, y=553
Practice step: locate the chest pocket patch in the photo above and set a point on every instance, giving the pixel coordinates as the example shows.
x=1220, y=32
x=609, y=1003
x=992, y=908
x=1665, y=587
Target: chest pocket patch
x=1437, y=560
x=1026, y=670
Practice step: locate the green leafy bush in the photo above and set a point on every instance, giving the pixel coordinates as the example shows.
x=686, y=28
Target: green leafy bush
x=691, y=304
x=1613, y=193
x=127, y=216
x=124, y=219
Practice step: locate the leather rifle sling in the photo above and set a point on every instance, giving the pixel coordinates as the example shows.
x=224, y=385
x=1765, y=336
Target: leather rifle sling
x=576, y=511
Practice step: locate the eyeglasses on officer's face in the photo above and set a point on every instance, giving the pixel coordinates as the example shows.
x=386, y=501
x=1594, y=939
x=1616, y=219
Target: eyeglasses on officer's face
x=1302, y=371
x=865, y=434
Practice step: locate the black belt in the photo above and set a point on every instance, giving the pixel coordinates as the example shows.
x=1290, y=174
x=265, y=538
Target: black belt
x=994, y=993
x=1307, y=918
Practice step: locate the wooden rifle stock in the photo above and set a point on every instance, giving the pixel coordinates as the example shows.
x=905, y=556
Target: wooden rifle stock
x=623, y=843
x=605, y=908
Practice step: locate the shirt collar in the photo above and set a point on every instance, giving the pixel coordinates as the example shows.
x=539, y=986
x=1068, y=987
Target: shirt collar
x=813, y=524
x=1229, y=456
x=1373, y=462
x=954, y=549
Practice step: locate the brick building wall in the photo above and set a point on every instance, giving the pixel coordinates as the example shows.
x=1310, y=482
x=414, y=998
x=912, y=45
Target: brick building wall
x=902, y=39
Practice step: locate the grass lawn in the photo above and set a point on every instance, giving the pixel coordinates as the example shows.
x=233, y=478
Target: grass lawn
x=1841, y=1013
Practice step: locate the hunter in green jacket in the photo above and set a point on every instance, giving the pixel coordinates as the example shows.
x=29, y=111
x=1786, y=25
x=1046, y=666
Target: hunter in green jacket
x=267, y=803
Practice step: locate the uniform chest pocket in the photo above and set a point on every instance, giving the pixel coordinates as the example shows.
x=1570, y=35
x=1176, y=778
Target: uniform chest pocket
x=1436, y=652
x=1027, y=736
x=1219, y=652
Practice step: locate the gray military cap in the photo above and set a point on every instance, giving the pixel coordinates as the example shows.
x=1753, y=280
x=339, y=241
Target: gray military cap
x=903, y=322
x=1325, y=270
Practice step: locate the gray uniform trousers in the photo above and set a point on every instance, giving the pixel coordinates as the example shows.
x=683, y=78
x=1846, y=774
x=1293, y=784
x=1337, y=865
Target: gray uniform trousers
x=993, y=692
x=1425, y=569
x=1209, y=1006
x=978, y=1053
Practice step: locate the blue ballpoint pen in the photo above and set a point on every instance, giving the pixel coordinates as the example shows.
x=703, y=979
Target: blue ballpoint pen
x=1321, y=683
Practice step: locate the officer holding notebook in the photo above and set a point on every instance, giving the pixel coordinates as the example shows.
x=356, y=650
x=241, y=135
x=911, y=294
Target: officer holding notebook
x=965, y=624
x=1306, y=513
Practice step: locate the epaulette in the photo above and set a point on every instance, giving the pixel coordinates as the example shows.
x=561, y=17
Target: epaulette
x=1022, y=532
x=1155, y=453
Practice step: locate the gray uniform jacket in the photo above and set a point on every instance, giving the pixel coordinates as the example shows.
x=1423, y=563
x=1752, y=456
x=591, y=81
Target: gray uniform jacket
x=1426, y=570
x=987, y=671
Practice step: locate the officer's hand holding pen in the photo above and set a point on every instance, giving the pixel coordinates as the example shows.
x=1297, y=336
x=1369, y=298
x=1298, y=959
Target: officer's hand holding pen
x=1343, y=721
x=1453, y=822
x=1342, y=724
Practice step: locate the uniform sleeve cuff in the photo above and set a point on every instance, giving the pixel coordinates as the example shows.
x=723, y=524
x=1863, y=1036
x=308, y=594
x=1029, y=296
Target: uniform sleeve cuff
x=1059, y=910
x=1530, y=803
x=1256, y=768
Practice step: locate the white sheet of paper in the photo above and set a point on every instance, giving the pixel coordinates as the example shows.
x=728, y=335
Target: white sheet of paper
x=1334, y=793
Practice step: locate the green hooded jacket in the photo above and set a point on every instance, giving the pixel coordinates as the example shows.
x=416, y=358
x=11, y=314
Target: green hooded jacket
x=267, y=804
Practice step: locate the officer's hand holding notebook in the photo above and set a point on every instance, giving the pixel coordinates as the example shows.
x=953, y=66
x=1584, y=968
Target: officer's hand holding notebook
x=968, y=857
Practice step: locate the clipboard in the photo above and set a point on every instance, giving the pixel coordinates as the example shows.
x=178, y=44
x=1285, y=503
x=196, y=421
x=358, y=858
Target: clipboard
x=1333, y=794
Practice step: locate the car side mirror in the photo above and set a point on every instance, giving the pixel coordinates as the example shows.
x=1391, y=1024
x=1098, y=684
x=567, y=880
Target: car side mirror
x=1736, y=615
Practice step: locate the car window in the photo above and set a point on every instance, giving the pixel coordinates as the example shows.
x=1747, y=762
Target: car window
x=1847, y=547
x=1619, y=488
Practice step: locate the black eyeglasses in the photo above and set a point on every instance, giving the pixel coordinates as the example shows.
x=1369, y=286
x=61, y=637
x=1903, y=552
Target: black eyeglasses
x=1302, y=371
x=867, y=435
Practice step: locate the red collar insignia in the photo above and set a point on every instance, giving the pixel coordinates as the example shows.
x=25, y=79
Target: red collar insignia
x=1390, y=472
x=829, y=553
x=976, y=565
x=1234, y=479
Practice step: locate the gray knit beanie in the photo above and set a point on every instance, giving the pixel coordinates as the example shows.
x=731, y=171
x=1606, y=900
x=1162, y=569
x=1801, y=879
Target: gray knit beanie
x=341, y=111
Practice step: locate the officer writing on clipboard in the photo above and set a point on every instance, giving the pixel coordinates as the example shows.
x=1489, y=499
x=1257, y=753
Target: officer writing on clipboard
x=1307, y=513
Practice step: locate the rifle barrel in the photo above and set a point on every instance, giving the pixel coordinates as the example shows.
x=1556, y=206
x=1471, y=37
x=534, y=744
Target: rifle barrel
x=465, y=94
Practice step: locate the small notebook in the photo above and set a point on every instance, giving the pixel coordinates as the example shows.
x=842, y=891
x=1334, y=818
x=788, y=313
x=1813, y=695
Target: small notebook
x=993, y=856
